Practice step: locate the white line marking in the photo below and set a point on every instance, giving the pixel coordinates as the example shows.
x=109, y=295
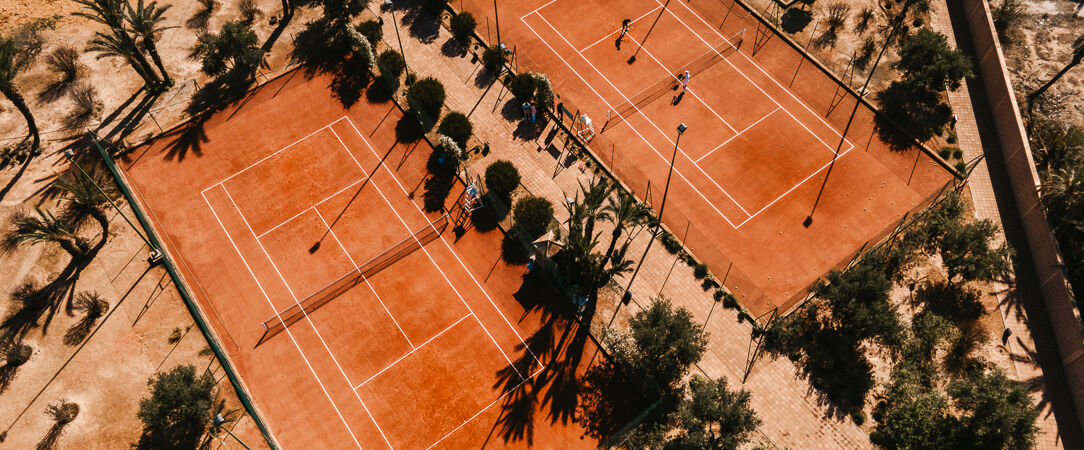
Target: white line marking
x=273, y=154
x=288, y=333
x=607, y=36
x=456, y=255
x=787, y=91
x=841, y=155
x=505, y=394
x=358, y=268
x=736, y=135
x=306, y=315
x=423, y=344
x=423, y=249
x=691, y=91
x=611, y=107
x=652, y=122
x=538, y=8
x=325, y=199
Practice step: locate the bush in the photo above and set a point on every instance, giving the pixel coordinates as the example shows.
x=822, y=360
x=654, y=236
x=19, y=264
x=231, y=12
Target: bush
x=451, y=151
x=533, y=215
x=462, y=26
x=730, y=301
x=700, y=270
x=945, y=153
x=457, y=126
x=670, y=242
x=391, y=63
x=18, y=354
x=63, y=411
x=372, y=30
x=426, y=94
x=543, y=91
x=957, y=153
x=65, y=61
x=521, y=86
x=961, y=167
x=502, y=178
x=178, y=410
x=493, y=60
x=87, y=106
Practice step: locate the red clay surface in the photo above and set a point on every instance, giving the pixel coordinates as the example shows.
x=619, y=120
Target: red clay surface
x=270, y=200
x=762, y=134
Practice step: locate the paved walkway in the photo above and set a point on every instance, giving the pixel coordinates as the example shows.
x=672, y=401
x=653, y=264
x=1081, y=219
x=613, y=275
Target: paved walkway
x=792, y=412
x=1020, y=349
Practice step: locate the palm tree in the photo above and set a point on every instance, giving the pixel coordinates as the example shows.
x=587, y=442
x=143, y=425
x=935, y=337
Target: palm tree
x=1078, y=56
x=625, y=211
x=93, y=307
x=146, y=21
x=117, y=42
x=85, y=199
x=11, y=63
x=46, y=228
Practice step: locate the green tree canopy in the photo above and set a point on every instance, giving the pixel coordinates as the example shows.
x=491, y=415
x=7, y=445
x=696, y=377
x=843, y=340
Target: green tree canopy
x=860, y=306
x=967, y=251
x=999, y=412
x=926, y=59
x=713, y=417
x=534, y=215
x=666, y=341
x=234, y=51
x=177, y=412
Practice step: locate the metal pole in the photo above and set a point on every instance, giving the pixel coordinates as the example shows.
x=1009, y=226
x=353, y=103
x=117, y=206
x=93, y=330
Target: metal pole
x=69, y=155
x=857, y=102
x=219, y=420
x=497, y=22
x=399, y=40
x=681, y=130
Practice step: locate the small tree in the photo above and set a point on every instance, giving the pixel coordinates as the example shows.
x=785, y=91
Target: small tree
x=45, y=227
x=232, y=53
x=533, y=215
x=12, y=62
x=967, y=252
x=391, y=63
x=146, y=22
x=86, y=106
x=666, y=342
x=93, y=308
x=426, y=94
x=457, y=126
x=543, y=91
x=714, y=417
x=927, y=59
x=502, y=178
x=522, y=86
x=462, y=26
x=372, y=30
x=999, y=411
x=493, y=60
x=177, y=412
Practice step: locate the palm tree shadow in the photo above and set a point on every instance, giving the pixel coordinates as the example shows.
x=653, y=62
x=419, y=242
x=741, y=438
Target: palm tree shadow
x=188, y=138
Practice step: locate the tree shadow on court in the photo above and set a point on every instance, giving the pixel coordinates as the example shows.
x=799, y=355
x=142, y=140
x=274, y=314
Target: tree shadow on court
x=555, y=391
x=188, y=138
x=408, y=130
x=440, y=181
x=380, y=90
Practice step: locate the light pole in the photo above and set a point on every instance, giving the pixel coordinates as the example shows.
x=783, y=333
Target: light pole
x=71, y=158
x=857, y=102
x=219, y=420
x=681, y=130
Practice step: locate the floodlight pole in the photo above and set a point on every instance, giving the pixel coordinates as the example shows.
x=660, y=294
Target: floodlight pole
x=681, y=130
x=399, y=40
x=857, y=101
x=71, y=159
x=218, y=421
x=497, y=21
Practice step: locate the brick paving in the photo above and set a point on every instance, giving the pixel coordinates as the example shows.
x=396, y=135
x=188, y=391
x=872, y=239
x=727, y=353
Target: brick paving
x=792, y=412
x=1021, y=347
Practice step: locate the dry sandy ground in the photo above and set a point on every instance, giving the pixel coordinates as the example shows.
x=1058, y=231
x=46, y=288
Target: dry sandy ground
x=1043, y=45
x=107, y=375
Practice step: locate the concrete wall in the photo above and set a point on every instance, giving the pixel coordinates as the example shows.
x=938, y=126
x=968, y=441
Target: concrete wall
x=1024, y=182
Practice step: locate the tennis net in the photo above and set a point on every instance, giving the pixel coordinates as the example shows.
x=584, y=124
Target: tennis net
x=321, y=297
x=660, y=88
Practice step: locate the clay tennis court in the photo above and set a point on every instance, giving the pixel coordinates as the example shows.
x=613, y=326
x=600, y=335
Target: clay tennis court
x=353, y=317
x=764, y=125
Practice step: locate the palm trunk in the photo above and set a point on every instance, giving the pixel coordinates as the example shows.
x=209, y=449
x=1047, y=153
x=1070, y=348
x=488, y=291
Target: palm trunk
x=75, y=247
x=287, y=15
x=1034, y=95
x=149, y=43
x=136, y=58
x=16, y=98
x=613, y=241
x=102, y=220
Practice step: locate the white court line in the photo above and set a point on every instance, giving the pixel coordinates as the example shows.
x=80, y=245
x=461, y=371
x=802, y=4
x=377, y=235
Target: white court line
x=652, y=122
x=273, y=154
x=505, y=394
x=678, y=79
x=815, y=114
x=453, y=252
x=610, y=106
x=736, y=135
x=423, y=249
x=288, y=333
x=306, y=315
x=841, y=155
x=291, y=219
x=423, y=344
x=358, y=268
x=613, y=32
x=538, y=8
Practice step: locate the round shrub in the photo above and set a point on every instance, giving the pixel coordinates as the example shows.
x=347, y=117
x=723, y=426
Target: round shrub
x=493, y=60
x=457, y=126
x=533, y=215
x=426, y=94
x=451, y=151
x=372, y=30
x=957, y=153
x=543, y=91
x=391, y=63
x=462, y=26
x=700, y=270
x=522, y=86
x=502, y=178
x=945, y=153
x=18, y=355
x=671, y=243
x=730, y=301
x=961, y=167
